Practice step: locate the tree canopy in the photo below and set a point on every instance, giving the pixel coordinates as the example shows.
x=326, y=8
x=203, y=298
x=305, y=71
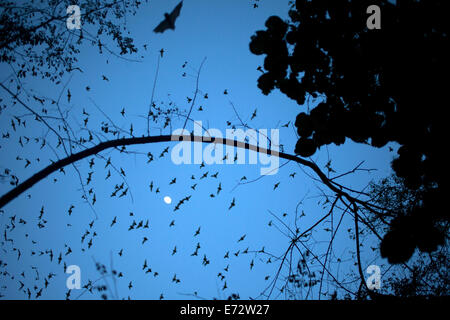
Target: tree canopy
x=34, y=37
x=378, y=86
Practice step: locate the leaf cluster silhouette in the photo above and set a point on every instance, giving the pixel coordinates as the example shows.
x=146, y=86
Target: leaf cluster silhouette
x=376, y=86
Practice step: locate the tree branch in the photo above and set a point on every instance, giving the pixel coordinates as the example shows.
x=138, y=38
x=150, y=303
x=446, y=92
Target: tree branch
x=55, y=166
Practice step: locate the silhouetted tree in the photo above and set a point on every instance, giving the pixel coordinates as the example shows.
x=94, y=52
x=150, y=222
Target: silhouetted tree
x=427, y=276
x=378, y=86
x=332, y=60
x=34, y=38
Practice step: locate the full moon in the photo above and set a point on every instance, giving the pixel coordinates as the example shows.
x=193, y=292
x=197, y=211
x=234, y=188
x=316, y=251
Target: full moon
x=167, y=199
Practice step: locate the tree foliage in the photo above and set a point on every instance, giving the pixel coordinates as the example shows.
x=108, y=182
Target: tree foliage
x=427, y=276
x=35, y=41
x=379, y=86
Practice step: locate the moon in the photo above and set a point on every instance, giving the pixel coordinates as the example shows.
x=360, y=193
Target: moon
x=167, y=199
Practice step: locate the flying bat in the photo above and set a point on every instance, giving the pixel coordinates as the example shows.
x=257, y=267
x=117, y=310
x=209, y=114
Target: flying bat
x=169, y=20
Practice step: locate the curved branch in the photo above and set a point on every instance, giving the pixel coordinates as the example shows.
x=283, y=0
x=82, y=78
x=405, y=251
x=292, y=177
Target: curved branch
x=55, y=166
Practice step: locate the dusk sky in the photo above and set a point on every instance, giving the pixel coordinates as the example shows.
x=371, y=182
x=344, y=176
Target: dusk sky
x=217, y=34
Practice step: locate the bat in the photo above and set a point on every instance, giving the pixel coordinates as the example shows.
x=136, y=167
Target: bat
x=169, y=20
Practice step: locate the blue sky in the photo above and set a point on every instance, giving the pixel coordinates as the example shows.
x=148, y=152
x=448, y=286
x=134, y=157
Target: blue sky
x=219, y=31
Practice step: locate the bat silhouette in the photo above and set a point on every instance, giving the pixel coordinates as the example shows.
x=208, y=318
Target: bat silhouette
x=169, y=20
